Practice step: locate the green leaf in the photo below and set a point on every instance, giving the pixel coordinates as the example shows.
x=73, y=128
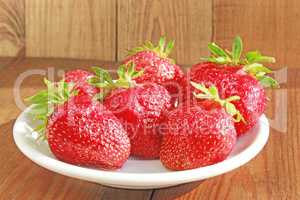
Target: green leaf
x=254, y=68
x=251, y=62
x=216, y=50
x=39, y=109
x=102, y=74
x=236, y=115
x=257, y=57
x=40, y=97
x=213, y=91
x=121, y=71
x=266, y=59
x=101, y=85
x=137, y=74
x=44, y=102
x=93, y=80
x=162, y=49
x=230, y=108
x=233, y=98
x=66, y=89
x=122, y=83
x=218, y=60
x=200, y=87
x=161, y=44
x=237, y=49
x=100, y=96
x=149, y=45
x=221, y=60
x=203, y=96
x=40, y=128
x=47, y=83
x=239, y=118
x=267, y=81
x=131, y=68
x=259, y=75
x=169, y=47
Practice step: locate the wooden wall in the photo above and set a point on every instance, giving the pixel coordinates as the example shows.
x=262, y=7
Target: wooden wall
x=104, y=29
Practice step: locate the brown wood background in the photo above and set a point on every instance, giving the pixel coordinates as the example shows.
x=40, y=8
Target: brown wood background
x=104, y=29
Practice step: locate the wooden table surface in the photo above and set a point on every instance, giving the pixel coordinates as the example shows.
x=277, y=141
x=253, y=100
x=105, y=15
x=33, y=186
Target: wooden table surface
x=273, y=174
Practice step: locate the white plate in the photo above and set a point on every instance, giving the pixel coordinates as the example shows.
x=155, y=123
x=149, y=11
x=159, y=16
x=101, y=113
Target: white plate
x=139, y=174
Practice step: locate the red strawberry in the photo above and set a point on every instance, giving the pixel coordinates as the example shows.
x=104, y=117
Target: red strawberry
x=79, y=78
x=79, y=130
x=199, y=135
x=158, y=68
x=140, y=107
x=234, y=76
x=252, y=95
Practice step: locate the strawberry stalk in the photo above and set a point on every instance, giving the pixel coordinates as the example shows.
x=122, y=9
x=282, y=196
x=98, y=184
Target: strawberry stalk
x=163, y=48
x=252, y=61
x=103, y=80
x=44, y=102
x=211, y=93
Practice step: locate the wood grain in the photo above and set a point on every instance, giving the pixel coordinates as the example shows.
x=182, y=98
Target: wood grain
x=71, y=29
x=273, y=174
x=12, y=28
x=267, y=25
x=188, y=22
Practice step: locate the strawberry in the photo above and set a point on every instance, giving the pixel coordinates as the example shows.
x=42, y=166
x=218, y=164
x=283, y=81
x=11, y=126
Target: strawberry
x=235, y=76
x=140, y=108
x=79, y=77
x=200, y=134
x=79, y=130
x=158, y=68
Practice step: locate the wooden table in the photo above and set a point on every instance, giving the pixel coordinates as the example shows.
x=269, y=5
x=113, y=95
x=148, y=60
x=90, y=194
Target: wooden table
x=273, y=174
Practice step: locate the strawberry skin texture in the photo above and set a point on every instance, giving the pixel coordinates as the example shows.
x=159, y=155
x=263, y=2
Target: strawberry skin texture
x=197, y=136
x=79, y=78
x=85, y=133
x=159, y=70
x=230, y=81
x=141, y=110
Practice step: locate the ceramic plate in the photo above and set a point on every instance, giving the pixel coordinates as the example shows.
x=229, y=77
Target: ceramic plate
x=139, y=174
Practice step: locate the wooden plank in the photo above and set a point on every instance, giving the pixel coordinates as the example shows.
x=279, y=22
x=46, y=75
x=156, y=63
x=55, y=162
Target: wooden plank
x=268, y=25
x=71, y=29
x=291, y=33
x=188, y=22
x=175, y=192
x=12, y=27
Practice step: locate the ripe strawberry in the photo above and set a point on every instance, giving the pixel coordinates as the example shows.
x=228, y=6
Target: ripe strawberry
x=140, y=108
x=158, y=68
x=235, y=76
x=79, y=130
x=199, y=135
x=79, y=78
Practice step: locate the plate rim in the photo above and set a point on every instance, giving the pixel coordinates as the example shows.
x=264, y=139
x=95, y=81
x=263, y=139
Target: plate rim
x=140, y=179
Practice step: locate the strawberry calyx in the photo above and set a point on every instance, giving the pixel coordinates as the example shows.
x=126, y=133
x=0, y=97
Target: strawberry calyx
x=102, y=79
x=252, y=61
x=212, y=93
x=44, y=102
x=163, y=49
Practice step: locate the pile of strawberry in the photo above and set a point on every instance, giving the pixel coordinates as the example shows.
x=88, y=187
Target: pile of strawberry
x=153, y=109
